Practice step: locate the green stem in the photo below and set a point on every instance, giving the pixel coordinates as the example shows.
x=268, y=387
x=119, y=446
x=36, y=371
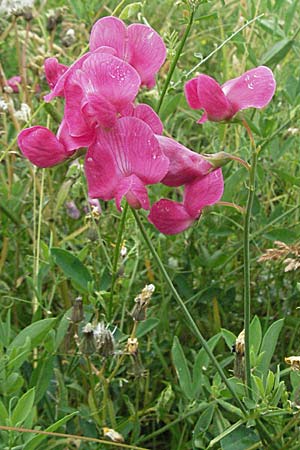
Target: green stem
x=175, y=60
x=247, y=277
x=116, y=258
x=192, y=324
x=93, y=390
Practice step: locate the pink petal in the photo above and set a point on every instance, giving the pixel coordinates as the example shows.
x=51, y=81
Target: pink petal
x=148, y=115
x=135, y=192
x=254, y=89
x=58, y=90
x=185, y=165
x=169, y=217
x=203, y=192
x=212, y=99
x=14, y=83
x=103, y=176
x=53, y=71
x=72, y=142
x=137, y=150
x=107, y=85
x=76, y=121
x=41, y=147
x=146, y=52
x=191, y=93
x=109, y=32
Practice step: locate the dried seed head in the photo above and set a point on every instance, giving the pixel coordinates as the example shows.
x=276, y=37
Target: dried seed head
x=239, y=346
x=293, y=361
x=88, y=342
x=112, y=434
x=141, y=303
x=77, y=311
x=105, y=342
x=69, y=38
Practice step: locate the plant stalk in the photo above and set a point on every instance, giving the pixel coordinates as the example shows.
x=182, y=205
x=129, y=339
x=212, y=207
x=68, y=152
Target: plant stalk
x=192, y=324
x=175, y=60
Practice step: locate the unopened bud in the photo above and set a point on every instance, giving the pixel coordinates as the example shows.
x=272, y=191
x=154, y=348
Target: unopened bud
x=77, y=311
x=218, y=159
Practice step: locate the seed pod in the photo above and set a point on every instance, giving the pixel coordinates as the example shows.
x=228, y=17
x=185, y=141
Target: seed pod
x=88, y=342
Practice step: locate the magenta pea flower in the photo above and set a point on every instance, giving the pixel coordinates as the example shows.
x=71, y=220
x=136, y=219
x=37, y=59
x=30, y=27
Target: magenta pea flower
x=54, y=71
x=254, y=89
x=45, y=149
x=138, y=44
x=98, y=92
x=14, y=83
x=185, y=165
x=171, y=217
x=122, y=161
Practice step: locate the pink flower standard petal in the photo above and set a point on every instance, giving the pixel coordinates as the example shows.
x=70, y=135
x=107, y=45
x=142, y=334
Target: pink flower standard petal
x=104, y=86
x=185, y=165
x=254, y=89
x=123, y=160
x=170, y=217
x=191, y=93
x=203, y=192
x=109, y=32
x=72, y=142
x=138, y=44
x=42, y=147
x=146, y=52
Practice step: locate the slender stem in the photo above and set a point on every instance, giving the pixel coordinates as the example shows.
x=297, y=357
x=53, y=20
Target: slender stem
x=247, y=277
x=175, y=60
x=192, y=324
x=93, y=391
x=116, y=258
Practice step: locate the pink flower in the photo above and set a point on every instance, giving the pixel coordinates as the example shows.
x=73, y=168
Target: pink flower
x=43, y=148
x=139, y=45
x=14, y=83
x=145, y=113
x=98, y=92
x=254, y=89
x=122, y=161
x=54, y=71
x=171, y=217
x=185, y=165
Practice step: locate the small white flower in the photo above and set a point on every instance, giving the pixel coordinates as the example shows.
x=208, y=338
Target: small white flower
x=3, y=105
x=9, y=7
x=23, y=114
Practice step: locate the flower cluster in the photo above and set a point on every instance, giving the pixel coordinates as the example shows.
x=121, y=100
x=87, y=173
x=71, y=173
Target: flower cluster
x=125, y=148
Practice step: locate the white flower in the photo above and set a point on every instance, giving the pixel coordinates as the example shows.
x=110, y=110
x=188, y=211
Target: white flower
x=9, y=7
x=3, y=105
x=23, y=114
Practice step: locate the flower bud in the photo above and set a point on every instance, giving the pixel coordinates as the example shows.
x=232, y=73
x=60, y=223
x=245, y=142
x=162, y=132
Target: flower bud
x=77, y=311
x=88, y=342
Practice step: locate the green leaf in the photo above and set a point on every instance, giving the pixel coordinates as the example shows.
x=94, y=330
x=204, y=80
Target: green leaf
x=204, y=420
x=242, y=438
x=146, y=326
x=182, y=370
x=23, y=408
x=3, y=414
x=73, y=268
x=202, y=361
x=281, y=234
x=41, y=376
x=277, y=53
x=268, y=346
x=229, y=337
x=36, y=440
x=36, y=332
x=255, y=334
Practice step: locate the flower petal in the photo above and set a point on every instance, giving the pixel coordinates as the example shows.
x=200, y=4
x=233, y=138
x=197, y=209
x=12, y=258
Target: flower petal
x=101, y=172
x=185, y=165
x=134, y=190
x=212, y=99
x=72, y=142
x=137, y=150
x=169, y=217
x=109, y=32
x=53, y=71
x=191, y=93
x=14, y=83
x=254, y=89
x=41, y=147
x=148, y=115
x=204, y=192
x=146, y=52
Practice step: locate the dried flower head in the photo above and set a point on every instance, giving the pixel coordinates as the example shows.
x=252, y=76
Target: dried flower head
x=281, y=251
x=239, y=350
x=88, y=342
x=77, y=311
x=112, y=434
x=15, y=7
x=132, y=346
x=293, y=361
x=142, y=302
x=105, y=342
